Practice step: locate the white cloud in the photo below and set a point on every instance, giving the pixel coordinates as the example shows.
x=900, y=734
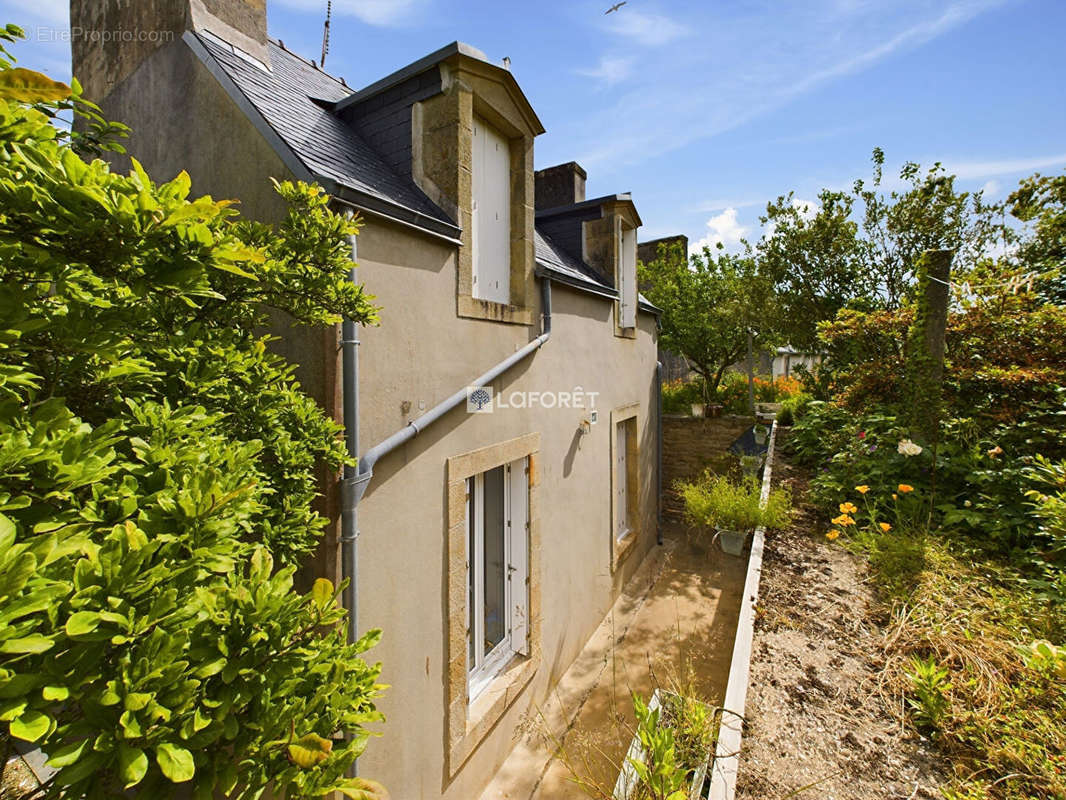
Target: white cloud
x=651, y=30
x=808, y=209
x=976, y=170
x=372, y=12
x=722, y=229
x=610, y=70
x=990, y=189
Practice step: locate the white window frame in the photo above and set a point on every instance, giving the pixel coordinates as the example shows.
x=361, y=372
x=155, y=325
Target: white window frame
x=485, y=666
x=621, y=446
x=491, y=214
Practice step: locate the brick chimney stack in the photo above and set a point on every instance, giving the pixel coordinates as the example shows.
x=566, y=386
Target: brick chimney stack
x=561, y=185
x=110, y=39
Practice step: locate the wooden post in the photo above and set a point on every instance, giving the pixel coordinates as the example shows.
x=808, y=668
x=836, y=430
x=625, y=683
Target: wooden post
x=751, y=374
x=925, y=342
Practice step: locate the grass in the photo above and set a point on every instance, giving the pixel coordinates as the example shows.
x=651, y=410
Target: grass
x=957, y=664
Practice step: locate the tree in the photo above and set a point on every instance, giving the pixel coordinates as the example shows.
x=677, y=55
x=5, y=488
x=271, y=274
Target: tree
x=928, y=214
x=814, y=258
x=156, y=478
x=1041, y=200
x=709, y=304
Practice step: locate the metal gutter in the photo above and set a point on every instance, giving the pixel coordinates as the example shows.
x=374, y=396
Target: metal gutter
x=390, y=212
x=727, y=752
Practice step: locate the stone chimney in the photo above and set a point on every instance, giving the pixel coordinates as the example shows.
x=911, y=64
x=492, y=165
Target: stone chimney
x=649, y=251
x=110, y=39
x=562, y=185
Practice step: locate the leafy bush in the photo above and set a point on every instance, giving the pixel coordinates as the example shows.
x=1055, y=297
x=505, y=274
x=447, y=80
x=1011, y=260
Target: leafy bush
x=156, y=462
x=793, y=407
x=715, y=501
x=679, y=396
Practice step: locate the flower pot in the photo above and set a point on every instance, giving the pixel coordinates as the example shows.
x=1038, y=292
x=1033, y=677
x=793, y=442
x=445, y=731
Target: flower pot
x=732, y=542
x=760, y=435
x=714, y=411
x=751, y=465
x=697, y=409
x=628, y=783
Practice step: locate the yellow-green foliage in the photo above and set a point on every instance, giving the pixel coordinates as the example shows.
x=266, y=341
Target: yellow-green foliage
x=149, y=447
x=717, y=501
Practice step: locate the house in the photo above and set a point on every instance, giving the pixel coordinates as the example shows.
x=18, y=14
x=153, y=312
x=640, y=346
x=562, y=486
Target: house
x=674, y=365
x=487, y=539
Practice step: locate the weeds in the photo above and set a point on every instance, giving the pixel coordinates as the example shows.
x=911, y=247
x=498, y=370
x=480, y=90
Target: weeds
x=967, y=655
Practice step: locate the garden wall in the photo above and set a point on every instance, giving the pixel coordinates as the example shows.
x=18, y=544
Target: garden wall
x=691, y=445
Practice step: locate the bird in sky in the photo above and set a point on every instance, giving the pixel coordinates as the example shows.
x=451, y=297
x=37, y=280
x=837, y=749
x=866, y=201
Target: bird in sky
x=615, y=7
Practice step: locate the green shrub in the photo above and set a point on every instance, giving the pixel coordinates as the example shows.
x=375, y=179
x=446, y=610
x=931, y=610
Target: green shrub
x=715, y=501
x=155, y=462
x=679, y=396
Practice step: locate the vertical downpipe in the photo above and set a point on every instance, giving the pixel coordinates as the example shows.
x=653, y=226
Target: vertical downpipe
x=659, y=452
x=349, y=498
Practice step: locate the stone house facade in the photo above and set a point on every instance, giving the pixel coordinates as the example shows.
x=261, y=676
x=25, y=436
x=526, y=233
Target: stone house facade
x=489, y=545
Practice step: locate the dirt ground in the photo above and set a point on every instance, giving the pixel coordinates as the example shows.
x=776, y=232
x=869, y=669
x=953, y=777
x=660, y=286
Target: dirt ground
x=816, y=726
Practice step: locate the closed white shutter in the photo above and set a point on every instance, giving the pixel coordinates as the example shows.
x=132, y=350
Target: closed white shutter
x=621, y=476
x=519, y=554
x=491, y=233
x=627, y=291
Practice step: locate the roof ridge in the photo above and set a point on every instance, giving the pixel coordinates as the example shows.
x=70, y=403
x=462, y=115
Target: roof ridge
x=309, y=62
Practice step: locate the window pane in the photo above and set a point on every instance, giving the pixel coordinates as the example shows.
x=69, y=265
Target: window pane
x=495, y=560
x=471, y=569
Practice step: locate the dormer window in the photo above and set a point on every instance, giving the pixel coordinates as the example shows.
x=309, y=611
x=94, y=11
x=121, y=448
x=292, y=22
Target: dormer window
x=491, y=185
x=627, y=277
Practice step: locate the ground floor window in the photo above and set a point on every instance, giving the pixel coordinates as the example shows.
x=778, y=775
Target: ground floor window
x=497, y=522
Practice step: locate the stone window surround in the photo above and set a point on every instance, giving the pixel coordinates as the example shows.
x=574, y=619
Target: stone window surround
x=468, y=723
x=621, y=548
x=442, y=161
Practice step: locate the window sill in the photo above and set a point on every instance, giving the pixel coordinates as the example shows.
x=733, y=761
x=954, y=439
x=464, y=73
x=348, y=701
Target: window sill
x=485, y=711
x=473, y=308
x=622, y=547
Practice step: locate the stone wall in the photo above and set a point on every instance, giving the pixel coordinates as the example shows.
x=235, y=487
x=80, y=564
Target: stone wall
x=691, y=445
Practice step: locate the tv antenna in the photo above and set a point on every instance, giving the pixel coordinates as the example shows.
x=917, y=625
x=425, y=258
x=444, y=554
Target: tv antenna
x=325, y=32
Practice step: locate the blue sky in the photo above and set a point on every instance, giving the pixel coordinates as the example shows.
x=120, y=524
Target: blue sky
x=706, y=110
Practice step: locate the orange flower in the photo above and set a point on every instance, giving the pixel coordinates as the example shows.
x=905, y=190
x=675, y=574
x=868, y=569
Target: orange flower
x=848, y=508
x=843, y=520
x=862, y=489
x=834, y=533
x=885, y=527
x=904, y=488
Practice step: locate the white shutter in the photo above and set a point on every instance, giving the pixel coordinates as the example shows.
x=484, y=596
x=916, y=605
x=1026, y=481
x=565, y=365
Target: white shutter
x=518, y=571
x=621, y=479
x=491, y=233
x=627, y=292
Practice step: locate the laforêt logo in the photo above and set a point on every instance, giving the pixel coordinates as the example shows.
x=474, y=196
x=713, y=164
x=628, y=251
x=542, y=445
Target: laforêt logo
x=479, y=399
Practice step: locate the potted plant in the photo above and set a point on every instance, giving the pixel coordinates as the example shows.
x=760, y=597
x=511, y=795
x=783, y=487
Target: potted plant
x=761, y=432
x=697, y=409
x=670, y=754
x=732, y=509
x=714, y=410
x=751, y=464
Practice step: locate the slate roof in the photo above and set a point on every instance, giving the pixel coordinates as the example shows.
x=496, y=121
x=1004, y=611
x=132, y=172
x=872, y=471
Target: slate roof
x=292, y=103
x=321, y=142
x=561, y=266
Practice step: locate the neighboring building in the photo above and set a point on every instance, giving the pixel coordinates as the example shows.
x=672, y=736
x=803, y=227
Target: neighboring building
x=786, y=359
x=492, y=544
x=674, y=365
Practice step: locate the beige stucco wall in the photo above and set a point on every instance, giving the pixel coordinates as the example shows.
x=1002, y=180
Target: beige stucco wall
x=421, y=353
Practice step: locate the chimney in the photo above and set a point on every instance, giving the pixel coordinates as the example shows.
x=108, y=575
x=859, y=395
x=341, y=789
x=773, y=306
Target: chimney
x=562, y=185
x=110, y=39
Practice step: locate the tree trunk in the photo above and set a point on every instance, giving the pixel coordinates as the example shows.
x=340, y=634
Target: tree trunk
x=925, y=343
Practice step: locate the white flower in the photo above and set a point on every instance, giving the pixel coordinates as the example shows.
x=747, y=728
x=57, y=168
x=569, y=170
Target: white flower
x=909, y=448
